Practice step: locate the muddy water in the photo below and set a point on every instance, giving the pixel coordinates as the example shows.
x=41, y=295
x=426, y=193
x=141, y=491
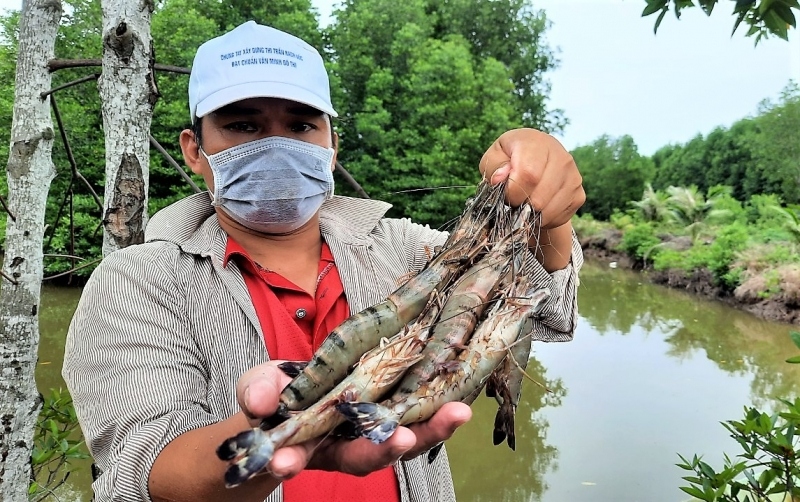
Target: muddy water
x=650, y=374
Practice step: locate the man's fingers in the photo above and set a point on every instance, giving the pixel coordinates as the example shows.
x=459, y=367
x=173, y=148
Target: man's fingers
x=258, y=390
x=289, y=461
x=358, y=456
x=441, y=426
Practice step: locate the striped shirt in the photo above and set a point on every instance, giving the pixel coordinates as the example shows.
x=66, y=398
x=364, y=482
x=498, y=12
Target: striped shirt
x=163, y=332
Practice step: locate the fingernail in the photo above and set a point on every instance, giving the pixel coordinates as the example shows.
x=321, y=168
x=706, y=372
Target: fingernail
x=501, y=173
x=247, y=397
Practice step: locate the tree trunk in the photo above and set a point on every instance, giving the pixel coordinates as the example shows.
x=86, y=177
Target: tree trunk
x=30, y=171
x=128, y=92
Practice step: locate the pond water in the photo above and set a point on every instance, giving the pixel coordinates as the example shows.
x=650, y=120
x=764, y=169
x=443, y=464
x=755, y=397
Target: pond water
x=651, y=373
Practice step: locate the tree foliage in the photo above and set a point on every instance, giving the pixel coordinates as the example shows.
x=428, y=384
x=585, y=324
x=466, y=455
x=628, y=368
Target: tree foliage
x=424, y=86
x=763, y=17
x=614, y=173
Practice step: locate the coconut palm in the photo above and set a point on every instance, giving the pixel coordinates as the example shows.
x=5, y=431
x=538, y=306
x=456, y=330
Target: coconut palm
x=689, y=208
x=792, y=221
x=653, y=206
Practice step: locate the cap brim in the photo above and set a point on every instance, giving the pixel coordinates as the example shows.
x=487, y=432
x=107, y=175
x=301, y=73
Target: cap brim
x=262, y=90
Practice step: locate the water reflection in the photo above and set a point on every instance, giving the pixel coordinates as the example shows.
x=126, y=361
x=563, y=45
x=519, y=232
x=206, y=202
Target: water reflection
x=483, y=472
x=737, y=342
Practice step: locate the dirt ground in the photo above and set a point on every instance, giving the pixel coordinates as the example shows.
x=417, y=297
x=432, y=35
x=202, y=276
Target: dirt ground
x=774, y=296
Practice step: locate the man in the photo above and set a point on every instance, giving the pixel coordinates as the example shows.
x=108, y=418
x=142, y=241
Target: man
x=174, y=345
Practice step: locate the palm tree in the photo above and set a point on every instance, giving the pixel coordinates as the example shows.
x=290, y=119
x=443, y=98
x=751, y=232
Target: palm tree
x=792, y=221
x=689, y=208
x=653, y=206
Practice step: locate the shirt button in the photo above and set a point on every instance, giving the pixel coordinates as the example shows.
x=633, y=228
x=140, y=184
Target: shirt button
x=300, y=313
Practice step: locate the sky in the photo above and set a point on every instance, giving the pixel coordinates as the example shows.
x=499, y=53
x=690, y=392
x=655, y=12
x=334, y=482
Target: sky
x=616, y=77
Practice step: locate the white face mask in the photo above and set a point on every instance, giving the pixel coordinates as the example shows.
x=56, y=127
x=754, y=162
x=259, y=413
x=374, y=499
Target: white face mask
x=272, y=185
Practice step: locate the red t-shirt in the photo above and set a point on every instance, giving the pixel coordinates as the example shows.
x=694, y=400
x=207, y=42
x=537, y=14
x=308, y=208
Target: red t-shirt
x=294, y=324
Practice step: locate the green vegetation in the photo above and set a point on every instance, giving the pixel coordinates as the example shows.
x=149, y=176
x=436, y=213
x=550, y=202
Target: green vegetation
x=727, y=203
x=753, y=246
x=57, y=442
x=768, y=468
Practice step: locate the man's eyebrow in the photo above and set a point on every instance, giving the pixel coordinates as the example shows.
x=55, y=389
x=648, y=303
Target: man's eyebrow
x=299, y=110
x=305, y=111
x=234, y=109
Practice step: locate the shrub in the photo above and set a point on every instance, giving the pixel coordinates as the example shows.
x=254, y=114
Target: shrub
x=719, y=256
x=640, y=242
x=760, y=211
x=622, y=221
x=667, y=259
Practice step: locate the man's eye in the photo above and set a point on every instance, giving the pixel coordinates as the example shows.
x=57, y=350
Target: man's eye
x=241, y=127
x=302, y=127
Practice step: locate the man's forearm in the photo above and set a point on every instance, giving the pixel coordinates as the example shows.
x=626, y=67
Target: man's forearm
x=188, y=468
x=554, y=247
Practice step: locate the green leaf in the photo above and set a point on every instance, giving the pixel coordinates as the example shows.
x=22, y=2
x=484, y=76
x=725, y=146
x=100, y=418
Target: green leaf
x=706, y=469
x=708, y=6
x=749, y=475
x=764, y=6
x=695, y=492
x=778, y=488
x=767, y=477
x=793, y=360
x=739, y=20
x=659, y=19
x=795, y=336
x=744, y=5
x=776, y=25
x=653, y=6
x=785, y=13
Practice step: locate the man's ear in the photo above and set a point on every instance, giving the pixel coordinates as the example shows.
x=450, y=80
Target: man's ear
x=335, y=150
x=191, y=151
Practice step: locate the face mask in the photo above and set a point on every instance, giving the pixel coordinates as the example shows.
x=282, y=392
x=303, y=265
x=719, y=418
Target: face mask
x=272, y=185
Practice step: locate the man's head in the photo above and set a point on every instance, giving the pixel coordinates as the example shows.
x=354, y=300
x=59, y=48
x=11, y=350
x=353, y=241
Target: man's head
x=260, y=100
x=254, y=82
x=253, y=61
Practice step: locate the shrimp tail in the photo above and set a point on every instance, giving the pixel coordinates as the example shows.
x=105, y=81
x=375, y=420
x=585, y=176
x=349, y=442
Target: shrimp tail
x=504, y=426
x=371, y=420
x=254, y=450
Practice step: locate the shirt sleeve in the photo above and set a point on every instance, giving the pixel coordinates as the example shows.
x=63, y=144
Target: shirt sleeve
x=559, y=317
x=135, y=374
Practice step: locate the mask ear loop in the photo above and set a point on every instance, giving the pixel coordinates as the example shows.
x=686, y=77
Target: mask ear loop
x=214, y=169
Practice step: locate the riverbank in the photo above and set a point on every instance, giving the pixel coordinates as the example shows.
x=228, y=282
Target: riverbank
x=771, y=294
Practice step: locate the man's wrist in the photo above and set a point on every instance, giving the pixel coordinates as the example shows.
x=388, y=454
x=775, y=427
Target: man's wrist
x=554, y=247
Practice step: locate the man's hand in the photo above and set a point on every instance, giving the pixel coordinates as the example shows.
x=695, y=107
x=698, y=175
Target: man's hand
x=538, y=169
x=258, y=392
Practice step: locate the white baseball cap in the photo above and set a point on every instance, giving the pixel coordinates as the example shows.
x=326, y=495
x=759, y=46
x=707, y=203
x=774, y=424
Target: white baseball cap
x=253, y=61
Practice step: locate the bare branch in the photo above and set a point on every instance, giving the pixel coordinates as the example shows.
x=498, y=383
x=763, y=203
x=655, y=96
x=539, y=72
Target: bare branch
x=73, y=165
x=3, y=202
x=9, y=279
x=174, y=164
x=351, y=181
x=60, y=64
x=87, y=78
x=70, y=271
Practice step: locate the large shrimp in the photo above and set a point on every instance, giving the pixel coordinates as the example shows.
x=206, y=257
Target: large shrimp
x=466, y=375
x=465, y=307
x=362, y=331
x=505, y=385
